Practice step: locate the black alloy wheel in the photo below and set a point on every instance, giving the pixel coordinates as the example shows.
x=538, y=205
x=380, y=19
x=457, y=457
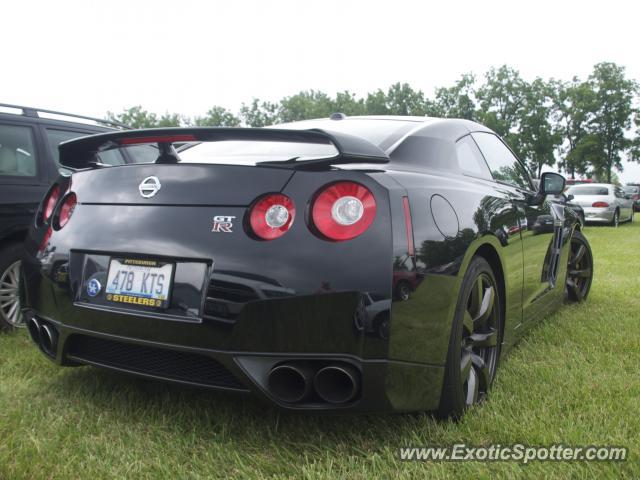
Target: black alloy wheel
x=580, y=268
x=474, y=347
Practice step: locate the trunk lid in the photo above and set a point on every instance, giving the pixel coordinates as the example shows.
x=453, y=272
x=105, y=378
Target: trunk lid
x=181, y=184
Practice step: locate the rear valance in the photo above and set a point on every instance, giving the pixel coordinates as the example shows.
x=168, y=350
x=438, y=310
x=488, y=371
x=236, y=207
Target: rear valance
x=82, y=153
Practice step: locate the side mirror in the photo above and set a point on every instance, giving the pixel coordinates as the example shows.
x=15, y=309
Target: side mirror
x=551, y=184
x=628, y=196
x=570, y=197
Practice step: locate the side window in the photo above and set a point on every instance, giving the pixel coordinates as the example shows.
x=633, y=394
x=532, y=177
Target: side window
x=55, y=137
x=470, y=160
x=17, y=151
x=504, y=166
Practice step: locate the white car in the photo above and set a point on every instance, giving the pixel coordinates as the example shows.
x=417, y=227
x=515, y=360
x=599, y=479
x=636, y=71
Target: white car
x=603, y=203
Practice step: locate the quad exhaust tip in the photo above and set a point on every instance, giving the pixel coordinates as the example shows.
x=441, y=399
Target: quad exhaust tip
x=33, y=325
x=43, y=335
x=291, y=383
x=48, y=339
x=337, y=383
x=295, y=382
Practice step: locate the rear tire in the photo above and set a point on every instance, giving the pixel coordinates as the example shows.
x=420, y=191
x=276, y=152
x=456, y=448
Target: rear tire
x=615, y=221
x=474, y=345
x=10, y=315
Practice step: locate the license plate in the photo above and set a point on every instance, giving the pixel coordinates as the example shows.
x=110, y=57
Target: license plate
x=144, y=283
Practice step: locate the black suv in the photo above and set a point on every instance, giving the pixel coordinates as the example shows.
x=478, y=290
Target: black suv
x=29, y=141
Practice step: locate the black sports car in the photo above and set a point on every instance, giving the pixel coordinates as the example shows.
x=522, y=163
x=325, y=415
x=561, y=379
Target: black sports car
x=365, y=263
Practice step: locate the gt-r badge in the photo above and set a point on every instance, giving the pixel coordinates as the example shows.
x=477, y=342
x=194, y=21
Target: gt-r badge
x=93, y=287
x=222, y=224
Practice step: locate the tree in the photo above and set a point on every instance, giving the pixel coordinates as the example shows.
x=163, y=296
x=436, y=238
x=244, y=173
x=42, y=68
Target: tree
x=137, y=117
x=501, y=101
x=347, y=103
x=457, y=101
x=614, y=95
x=400, y=99
x=574, y=110
x=218, y=117
x=259, y=114
x=305, y=105
x=537, y=137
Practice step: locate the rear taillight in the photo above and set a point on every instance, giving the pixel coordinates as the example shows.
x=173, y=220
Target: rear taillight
x=408, y=226
x=271, y=216
x=50, y=202
x=343, y=210
x=66, y=209
x=600, y=204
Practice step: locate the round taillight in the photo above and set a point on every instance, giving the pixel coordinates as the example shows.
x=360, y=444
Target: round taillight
x=66, y=210
x=271, y=216
x=343, y=210
x=50, y=202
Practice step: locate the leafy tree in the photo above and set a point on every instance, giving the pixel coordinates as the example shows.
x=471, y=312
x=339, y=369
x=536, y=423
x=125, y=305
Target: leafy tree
x=457, y=101
x=501, y=101
x=574, y=110
x=135, y=117
x=537, y=137
x=347, y=103
x=259, y=114
x=305, y=105
x=614, y=95
x=218, y=117
x=400, y=99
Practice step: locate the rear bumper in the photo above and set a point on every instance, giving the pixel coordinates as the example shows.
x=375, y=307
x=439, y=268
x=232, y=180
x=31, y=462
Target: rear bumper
x=598, y=215
x=384, y=385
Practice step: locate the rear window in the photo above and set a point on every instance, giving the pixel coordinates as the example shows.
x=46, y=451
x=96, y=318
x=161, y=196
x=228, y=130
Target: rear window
x=234, y=152
x=588, y=190
x=632, y=189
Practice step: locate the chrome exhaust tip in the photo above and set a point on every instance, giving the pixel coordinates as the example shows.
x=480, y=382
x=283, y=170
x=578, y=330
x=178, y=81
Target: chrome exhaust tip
x=290, y=383
x=48, y=339
x=337, y=383
x=33, y=325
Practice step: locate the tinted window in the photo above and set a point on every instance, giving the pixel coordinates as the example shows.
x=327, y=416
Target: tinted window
x=55, y=137
x=588, y=190
x=470, y=160
x=17, y=151
x=503, y=164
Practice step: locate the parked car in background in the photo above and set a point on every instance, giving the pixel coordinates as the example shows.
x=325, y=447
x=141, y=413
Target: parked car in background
x=603, y=203
x=29, y=139
x=634, y=191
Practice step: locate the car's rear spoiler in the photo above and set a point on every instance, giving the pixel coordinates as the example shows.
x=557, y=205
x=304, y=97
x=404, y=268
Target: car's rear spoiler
x=82, y=153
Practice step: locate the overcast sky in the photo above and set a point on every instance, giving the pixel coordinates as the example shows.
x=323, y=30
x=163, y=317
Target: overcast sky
x=185, y=56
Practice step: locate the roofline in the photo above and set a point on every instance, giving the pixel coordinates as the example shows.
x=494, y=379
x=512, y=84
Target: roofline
x=33, y=112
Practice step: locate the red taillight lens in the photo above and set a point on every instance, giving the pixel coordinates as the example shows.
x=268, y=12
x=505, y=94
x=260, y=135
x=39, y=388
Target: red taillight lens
x=50, y=202
x=600, y=205
x=343, y=210
x=66, y=210
x=272, y=216
x=408, y=226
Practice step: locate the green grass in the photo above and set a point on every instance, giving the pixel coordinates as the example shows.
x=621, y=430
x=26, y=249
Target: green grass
x=575, y=379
